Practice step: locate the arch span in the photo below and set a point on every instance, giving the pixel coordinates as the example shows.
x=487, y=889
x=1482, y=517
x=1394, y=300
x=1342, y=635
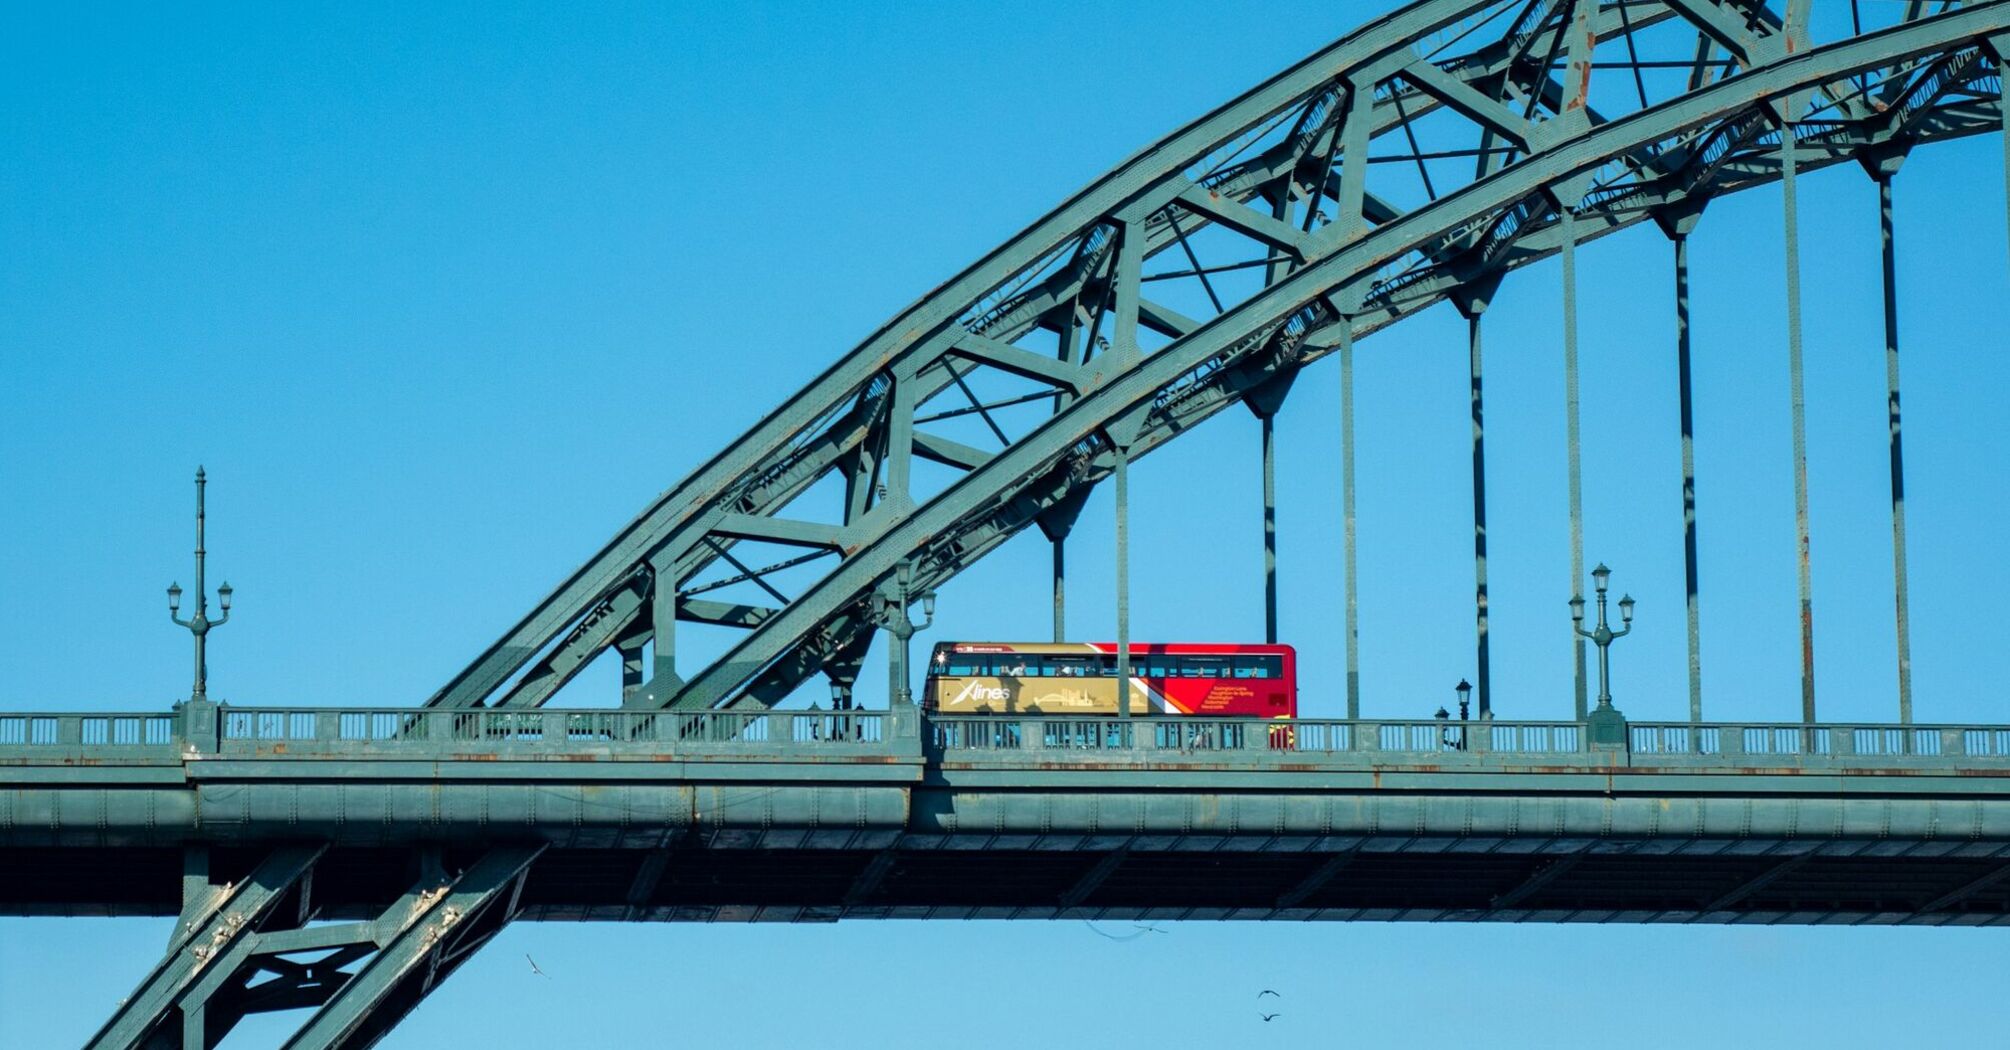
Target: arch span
x=1421, y=157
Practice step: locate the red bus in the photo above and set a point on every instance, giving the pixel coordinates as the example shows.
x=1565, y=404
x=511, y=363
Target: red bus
x=1080, y=678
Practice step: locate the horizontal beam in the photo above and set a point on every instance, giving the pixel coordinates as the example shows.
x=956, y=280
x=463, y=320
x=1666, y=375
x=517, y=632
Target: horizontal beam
x=781, y=530
x=781, y=873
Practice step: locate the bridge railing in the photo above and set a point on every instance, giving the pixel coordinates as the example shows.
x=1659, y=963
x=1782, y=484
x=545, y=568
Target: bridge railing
x=256, y=730
x=259, y=729
x=26, y=731
x=244, y=731
x=1189, y=735
x=1678, y=743
x=1825, y=740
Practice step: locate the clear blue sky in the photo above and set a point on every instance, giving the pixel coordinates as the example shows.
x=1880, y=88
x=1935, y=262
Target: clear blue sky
x=441, y=295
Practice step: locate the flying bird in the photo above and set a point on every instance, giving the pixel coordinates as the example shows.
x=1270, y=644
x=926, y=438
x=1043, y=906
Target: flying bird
x=1268, y=1017
x=1265, y=992
x=533, y=966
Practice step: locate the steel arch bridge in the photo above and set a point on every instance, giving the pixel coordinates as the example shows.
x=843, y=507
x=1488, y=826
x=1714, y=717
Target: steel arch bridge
x=1284, y=181
x=349, y=860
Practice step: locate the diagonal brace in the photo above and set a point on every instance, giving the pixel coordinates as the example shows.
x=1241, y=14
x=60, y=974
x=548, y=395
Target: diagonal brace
x=412, y=957
x=1092, y=879
x=1316, y=879
x=1249, y=222
x=1758, y=882
x=1965, y=890
x=1469, y=102
x=201, y=945
x=1537, y=882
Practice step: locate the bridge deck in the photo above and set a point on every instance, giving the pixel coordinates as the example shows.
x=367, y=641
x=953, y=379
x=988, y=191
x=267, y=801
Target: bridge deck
x=797, y=816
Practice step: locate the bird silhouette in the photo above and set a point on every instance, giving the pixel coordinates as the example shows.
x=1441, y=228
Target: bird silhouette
x=533, y=966
x=1269, y=1017
x=1265, y=992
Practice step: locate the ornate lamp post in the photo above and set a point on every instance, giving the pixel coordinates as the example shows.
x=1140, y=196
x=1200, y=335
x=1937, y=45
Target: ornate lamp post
x=1455, y=739
x=1607, y=725
x=200, y=624
x=893, y=613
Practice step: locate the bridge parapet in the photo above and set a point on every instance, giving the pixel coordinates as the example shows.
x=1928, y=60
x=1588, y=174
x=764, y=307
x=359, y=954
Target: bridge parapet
x=838, y=736
x=241, y=732
x=1303, y=743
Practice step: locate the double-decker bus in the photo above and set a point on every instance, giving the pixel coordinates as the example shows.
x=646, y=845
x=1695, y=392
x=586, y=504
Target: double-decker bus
x=1080, y=678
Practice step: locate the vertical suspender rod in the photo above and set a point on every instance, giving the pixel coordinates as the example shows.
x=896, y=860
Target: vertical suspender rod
x=1897, y=449
x=1572, y=442
x=1485, y=683
x=1353, y=626
x=1689, y=574
x=1798, y=398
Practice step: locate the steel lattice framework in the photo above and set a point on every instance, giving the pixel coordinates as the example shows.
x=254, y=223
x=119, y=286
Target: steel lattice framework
x=1284, y=181
x=349, y=859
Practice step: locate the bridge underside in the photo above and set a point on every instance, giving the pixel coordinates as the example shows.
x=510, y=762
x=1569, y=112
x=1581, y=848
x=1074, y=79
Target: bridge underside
x=930, y=877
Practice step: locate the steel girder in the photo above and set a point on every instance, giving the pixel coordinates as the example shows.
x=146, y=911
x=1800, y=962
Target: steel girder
x=238, y=951
x=1062, y=308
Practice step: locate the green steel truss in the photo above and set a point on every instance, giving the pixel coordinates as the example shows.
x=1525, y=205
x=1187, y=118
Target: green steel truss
x=1296, y=210
x=250, y=947
x=1488, y=103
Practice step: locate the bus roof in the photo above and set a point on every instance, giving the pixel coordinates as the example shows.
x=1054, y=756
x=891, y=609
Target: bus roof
x=1066, y=648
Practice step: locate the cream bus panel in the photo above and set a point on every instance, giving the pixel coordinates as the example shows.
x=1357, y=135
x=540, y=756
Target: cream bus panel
x=1036, y=696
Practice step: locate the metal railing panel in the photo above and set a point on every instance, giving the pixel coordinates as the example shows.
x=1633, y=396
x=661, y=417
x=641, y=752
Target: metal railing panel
x=405, y=731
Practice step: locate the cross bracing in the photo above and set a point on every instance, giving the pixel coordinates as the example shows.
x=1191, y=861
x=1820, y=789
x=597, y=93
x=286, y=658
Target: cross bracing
x=1417, y=160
